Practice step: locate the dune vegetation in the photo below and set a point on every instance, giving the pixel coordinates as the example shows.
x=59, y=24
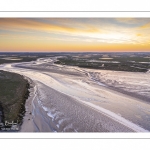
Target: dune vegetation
x=13, y=94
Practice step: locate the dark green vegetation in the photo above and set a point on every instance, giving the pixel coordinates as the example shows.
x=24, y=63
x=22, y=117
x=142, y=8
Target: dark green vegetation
x=134, y=62
x=19, y=57
x=13, y=94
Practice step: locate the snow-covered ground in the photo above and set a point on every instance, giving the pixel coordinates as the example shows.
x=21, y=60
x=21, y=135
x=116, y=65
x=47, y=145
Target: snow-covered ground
x=71, y=99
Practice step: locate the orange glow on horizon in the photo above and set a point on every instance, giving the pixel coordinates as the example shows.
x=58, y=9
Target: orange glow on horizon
x=75, y=35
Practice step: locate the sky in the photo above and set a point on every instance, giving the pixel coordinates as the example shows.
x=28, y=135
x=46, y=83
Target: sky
x=74, y=34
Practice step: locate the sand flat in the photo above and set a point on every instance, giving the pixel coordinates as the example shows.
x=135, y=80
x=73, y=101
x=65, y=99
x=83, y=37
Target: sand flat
x=69, y=99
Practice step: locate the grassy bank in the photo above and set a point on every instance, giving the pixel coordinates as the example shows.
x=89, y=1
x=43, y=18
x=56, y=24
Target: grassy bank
x=13, y=94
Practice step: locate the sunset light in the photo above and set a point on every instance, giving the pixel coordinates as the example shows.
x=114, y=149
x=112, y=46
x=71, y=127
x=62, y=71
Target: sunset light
x=74, y=34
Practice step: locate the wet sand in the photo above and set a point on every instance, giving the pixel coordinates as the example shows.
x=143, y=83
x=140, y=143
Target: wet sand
x=70, y=101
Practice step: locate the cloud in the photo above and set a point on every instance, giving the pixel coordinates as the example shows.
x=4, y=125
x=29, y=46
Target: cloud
x=145, y=26
x=138, y=21
x=127, y=20
x=138, y=34
x=75, y=31
x=21, y=24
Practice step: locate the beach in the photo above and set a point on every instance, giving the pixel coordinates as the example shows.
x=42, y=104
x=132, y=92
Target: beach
x=71, y=99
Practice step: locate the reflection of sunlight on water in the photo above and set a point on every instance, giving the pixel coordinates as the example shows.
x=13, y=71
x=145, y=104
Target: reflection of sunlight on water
x=106, y=58
x=144, y=62
x=11, y=58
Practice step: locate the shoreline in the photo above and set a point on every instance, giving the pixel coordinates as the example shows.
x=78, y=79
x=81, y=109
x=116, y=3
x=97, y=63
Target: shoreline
x=27, y=118
x=36, y=115
x=103, y=110
x=8, y=122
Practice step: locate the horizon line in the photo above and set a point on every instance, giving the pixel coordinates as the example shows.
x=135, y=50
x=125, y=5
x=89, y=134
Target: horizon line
x=76, y=52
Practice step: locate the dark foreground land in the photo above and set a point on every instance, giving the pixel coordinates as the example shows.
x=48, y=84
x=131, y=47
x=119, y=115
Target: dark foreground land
x=13, y=93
